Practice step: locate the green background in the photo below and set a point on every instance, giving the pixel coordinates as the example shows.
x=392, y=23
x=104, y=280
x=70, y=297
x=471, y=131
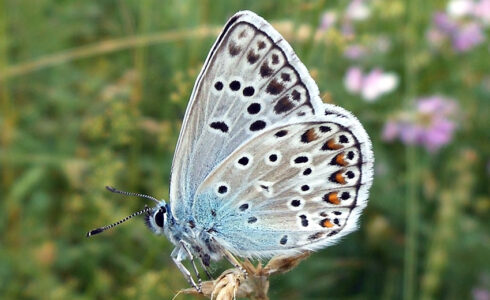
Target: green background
x=93, y=93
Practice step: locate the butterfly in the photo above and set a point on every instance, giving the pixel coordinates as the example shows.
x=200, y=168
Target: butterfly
x=262, y=167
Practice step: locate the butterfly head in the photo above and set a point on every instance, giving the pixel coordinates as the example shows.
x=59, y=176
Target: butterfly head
x=156, y=218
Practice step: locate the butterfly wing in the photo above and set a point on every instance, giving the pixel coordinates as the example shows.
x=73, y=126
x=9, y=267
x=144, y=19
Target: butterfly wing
x=251, y=81
x=294, y=187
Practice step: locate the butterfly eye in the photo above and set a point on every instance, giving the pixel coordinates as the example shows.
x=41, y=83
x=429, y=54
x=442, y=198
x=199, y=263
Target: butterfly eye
x=159, y=217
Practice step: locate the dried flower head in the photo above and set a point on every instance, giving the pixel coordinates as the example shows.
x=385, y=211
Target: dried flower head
x=233, y=283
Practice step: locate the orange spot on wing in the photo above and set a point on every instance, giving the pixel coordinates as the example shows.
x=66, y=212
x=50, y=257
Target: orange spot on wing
x=339, y=178
x=311, y=135
x=327, y=223
x=332, y=145
x=333, y=198
x=339, y=159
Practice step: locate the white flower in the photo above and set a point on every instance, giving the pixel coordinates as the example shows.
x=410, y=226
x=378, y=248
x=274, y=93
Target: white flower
x=358, y=10
x=377, y=83
x=370, y=86
x=459, y=8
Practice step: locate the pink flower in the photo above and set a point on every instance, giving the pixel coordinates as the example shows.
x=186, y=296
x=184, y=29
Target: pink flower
x=444, y=23
x=370, y=86
x=347, y=29
x=355, y=52
x=467, y=37
x=480, y=294
x=353, y=80
x=464, y=35
x=481, y=10
x=329, y=19
x=429, y=124
x=436, y=37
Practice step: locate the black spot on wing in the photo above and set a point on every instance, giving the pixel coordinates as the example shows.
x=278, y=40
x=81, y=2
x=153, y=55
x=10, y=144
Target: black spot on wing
x=325, y=129
x=265, y=70
x=275, y=59
x=275, y=87
x=243, y=161
x=350, y=155
x=222, y=189
x=281, y=133
x=235, y=85
x=219, y=125
x=285, y=77
x=304, y=220
x=257, y=125
x=252, y=57
x=264, y=187
x=218, y=85
x=301, y=160
x=307, y=172
x=316, y=236
x=233, y=48
x=253, y=108
x=248, y=91
x=296, y=95
x=283, y=105
x=343, y=139
x=242, y=34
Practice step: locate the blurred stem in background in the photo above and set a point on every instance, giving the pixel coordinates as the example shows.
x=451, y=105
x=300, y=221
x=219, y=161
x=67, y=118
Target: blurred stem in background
x=7, y=118
x=139, y=57
x=450, y=204
x=411, y=159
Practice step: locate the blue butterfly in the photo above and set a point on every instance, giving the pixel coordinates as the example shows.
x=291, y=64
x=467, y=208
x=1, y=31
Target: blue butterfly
x=262, y=167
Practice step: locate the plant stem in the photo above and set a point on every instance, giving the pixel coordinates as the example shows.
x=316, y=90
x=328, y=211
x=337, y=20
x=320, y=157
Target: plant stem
x=7, y=115
x=411, y=159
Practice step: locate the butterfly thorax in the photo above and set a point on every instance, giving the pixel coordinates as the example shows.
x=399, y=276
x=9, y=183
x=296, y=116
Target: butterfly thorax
x=186, y=230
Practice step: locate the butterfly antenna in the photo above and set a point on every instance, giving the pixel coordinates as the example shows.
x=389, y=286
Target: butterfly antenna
x=102, y=229
x=114, y=190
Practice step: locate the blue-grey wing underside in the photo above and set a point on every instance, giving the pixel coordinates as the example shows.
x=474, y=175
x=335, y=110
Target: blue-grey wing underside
x=261, y=160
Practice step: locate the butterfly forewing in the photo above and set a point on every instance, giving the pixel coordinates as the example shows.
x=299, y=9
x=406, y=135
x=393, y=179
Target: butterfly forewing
x=251, y=81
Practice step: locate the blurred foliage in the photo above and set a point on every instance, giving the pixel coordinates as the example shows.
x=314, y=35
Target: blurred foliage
x=93, y=93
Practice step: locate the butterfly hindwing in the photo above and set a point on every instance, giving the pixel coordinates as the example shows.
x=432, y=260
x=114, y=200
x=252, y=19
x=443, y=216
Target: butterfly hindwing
x=294, y=187
x=251, y=81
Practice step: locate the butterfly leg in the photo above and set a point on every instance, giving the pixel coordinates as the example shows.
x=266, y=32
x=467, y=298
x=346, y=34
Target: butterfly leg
x=178, y=256
x=234, y=261
x=191, y=258
x=205, y=267
x=204, y=259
